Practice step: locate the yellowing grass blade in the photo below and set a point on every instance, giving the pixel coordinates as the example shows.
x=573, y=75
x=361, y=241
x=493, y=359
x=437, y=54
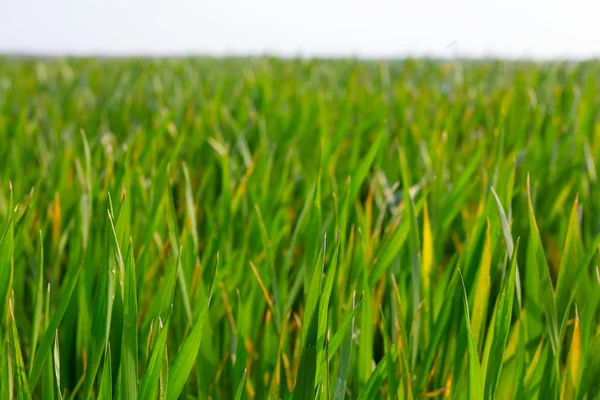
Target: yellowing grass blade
x=570, y=383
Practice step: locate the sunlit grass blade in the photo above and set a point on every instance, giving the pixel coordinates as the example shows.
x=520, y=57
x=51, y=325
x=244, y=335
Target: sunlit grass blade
x=427, y=265
x=482, y=290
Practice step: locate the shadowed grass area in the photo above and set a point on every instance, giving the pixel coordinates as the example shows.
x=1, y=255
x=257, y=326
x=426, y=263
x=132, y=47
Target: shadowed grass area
x=264, y=228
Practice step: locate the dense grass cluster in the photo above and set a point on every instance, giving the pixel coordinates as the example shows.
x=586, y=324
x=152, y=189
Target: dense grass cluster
x=237, y=229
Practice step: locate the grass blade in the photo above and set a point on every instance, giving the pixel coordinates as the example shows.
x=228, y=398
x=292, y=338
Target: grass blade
x=105, y=392
x=370, y=391
x=510, y=246
x=567, y=273
x=482, y=290
x=545, y=284
x=48, y=337
x=149, y=385
x=56, y=355
x=570, y=383
x=415, y=255
x=504, y=307
x=345, y=356
x=475, y=376
x=174, y=239
x=101, y=322
x=39, y=301
x=589, y=384
x=129, y=343
x=186, y=357
x=323, y=310
x=240, y=390
x=363, y=169
x=23, y=392
x=338, y=338
x=7, y=247
x=307, y=367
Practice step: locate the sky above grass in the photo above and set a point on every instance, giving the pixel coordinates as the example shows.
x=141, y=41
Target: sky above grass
x=368, y=28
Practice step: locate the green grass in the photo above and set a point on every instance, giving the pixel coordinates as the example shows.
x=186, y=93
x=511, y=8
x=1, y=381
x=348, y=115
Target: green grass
x=299, y=229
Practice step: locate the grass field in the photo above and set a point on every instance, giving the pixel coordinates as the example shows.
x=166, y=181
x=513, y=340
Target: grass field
x=238, y=229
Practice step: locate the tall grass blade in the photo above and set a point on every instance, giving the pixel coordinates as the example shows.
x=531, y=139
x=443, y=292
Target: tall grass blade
x=181, y=368
x=504, y=306
x=475, y=375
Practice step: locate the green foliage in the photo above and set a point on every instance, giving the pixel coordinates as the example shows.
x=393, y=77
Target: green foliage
x=363, y=216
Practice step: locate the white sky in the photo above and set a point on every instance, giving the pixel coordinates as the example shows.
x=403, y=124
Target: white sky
x=369, y=28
